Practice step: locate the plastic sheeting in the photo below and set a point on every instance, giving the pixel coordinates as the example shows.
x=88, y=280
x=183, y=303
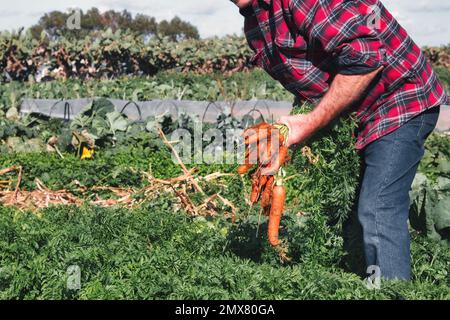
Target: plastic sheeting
x=140, y=110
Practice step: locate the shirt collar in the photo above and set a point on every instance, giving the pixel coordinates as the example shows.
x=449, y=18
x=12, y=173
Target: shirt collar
x=262, y=4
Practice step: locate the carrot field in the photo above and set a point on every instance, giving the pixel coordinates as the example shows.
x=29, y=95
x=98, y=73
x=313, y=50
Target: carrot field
x=101, y=194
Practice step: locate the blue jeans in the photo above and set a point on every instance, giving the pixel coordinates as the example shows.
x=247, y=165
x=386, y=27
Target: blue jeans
x=390, y=164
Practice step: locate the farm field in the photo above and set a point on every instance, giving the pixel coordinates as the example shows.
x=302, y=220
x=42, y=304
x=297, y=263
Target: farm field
x=103, y=194
x=159, y=251
x=134, y=238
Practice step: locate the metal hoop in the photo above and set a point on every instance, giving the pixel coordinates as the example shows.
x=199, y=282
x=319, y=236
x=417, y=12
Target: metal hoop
x=207, y=107
x=67, y=111
x=171, y=102
x=52, y=107
x=137, y=108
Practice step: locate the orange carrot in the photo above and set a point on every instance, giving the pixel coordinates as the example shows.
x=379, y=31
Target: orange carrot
x=262, y=146
x=278, y=200
x=267, y=193
x=271, y=144
x=254, y=153
x=266, y=153
x=262, y=182
x=254, y=195
x=276, y=162
x=255, y=192
x=258, y=135
x=247, y=165
x=253, y=129
x=243, y=168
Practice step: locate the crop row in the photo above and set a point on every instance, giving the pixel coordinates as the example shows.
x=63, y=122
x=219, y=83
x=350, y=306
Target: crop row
x=254, y=85
x=114, y=54
x=177, y=86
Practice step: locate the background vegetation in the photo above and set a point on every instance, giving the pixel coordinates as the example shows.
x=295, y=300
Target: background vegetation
x=158, y=250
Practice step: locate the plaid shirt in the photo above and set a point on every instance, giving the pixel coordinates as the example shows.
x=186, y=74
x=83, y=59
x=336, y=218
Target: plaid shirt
x=304, y=43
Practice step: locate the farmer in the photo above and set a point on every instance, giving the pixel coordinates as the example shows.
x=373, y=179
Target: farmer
x=352, y=55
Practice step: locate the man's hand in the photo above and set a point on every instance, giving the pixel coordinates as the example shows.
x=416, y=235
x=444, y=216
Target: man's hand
x=300, y=128
x=344, y=91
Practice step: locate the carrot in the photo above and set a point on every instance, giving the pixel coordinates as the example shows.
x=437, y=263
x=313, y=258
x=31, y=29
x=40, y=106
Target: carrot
x=270, y=146
x=281, y=137
x=243, y=168
x=253, y=129
x=262, y=182
x=247, y=154
x=276, y=162
x=255, y=192
x=266, y=211
x=266, y=194
x=254, y=155
x=262, y=146
x=265, y=152
x=258, y=135
x=248, y=163
x=278, y=200
x=254, y=195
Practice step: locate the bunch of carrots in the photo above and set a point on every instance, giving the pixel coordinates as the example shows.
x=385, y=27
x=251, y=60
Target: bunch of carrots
x=266, y=148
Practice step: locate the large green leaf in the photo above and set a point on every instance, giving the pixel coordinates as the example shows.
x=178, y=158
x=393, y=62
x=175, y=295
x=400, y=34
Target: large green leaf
x=116, y=122
x=430, y=205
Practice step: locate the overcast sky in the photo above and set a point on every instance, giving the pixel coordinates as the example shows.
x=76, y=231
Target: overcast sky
x=428, y=21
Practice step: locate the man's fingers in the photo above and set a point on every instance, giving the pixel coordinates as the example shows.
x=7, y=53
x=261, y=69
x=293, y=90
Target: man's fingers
x=263, y=134
x=254, y=136
x=244, y=168
x=276, y=162
x=253, y=129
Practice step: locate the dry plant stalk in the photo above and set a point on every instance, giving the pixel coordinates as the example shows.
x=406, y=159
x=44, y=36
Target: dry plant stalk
x=43, y=197
x=307, y=152
x=175, y=153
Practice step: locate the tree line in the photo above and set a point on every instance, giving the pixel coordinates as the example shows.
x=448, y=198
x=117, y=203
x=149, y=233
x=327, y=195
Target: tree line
x=54, y=24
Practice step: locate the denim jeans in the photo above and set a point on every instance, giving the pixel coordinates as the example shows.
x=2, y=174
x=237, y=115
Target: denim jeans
x=390, y=164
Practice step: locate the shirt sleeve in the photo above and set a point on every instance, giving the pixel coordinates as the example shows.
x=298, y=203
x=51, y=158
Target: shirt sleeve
x=344, y=30
x=246, y=12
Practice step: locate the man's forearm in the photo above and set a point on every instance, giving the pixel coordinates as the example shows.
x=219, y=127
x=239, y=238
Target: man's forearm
x=344, y=91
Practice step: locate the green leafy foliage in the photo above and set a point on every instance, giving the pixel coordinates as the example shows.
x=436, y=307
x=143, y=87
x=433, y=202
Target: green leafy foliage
x=54, y=24
x=115, y=53
x=444, y=76
x=430, y=194
x=328, y=184
x=151, y=253
x=118, y=52
x=436, y=161
x=177, y=86
x=430, y=206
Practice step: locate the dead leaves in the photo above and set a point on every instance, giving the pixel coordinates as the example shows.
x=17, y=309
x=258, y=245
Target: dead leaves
x=179, y=187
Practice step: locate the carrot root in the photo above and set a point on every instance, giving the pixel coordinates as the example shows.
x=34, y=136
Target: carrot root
x=278, y=200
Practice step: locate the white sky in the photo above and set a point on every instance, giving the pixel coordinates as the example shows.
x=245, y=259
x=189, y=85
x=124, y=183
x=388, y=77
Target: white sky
x=428, y=21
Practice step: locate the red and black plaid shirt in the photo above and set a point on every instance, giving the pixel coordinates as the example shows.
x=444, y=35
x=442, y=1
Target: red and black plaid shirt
x=305, y=43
